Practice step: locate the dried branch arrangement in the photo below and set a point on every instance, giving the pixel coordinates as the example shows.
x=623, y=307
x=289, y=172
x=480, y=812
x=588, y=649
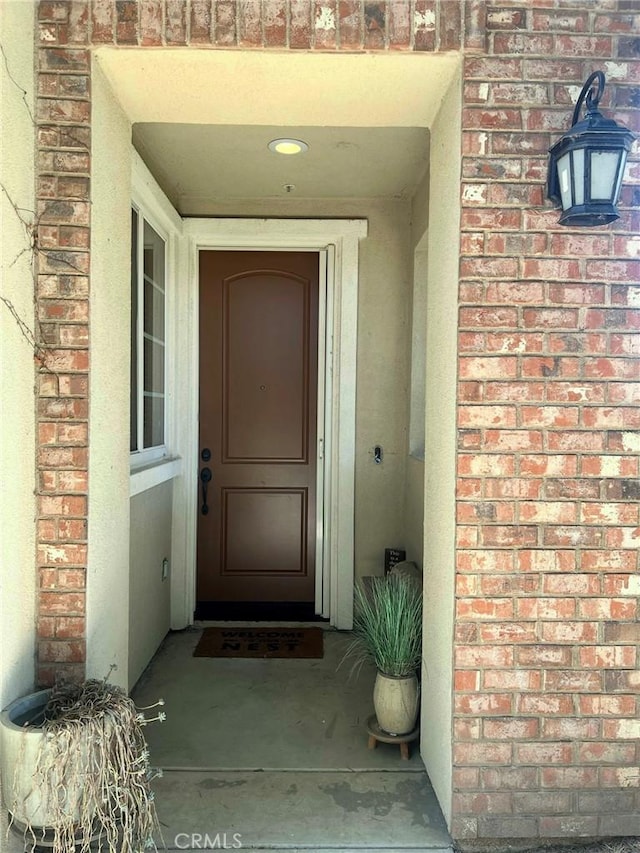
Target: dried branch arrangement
x=92, y=773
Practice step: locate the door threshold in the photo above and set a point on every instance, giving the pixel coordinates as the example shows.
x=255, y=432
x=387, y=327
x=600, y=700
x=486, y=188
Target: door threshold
x=257, y=611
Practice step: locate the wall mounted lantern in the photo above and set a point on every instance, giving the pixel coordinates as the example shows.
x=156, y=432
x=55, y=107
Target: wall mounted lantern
x=586, y=165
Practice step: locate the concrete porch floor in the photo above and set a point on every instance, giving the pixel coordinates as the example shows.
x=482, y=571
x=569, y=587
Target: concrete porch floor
x=272, y=755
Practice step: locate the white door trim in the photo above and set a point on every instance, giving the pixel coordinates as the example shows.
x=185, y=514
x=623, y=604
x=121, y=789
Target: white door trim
x=339, y=239
x=325, y=334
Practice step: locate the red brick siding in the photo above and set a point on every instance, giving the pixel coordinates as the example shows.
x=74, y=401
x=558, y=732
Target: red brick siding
x=62, y=295
x=546, y=637
x=546, y=653
x=439, y=25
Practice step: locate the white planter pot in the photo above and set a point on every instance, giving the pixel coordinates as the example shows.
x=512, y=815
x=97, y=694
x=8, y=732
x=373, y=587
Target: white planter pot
x=396, y=701
x=20, y=750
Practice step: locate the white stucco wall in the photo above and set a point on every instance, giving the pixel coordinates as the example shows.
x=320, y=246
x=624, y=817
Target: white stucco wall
x=149, y=594
x=415, y=473
x=108, y=561
x=382, y=385
x=127, y=601
x=383, y=357
x=413, y=533
x=440, y=446
x=17, y=415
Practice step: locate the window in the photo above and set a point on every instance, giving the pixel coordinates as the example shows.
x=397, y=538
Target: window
x=148, y=339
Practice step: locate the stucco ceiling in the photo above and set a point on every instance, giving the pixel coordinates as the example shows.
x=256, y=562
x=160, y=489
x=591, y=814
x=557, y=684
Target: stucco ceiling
x=195, y=162
x=202, y=119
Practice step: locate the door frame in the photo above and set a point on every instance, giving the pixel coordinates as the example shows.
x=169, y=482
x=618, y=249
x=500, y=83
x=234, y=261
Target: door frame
x=336, y=240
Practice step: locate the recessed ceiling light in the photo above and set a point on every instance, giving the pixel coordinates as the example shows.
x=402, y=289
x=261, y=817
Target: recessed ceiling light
x=288, y=146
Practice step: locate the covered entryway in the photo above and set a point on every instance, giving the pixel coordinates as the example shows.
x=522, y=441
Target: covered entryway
x=258, y=434
x=361, y=199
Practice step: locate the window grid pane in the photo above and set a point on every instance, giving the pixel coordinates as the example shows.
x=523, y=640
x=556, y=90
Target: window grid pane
x=133, y=425
x=148, y=319
x=153, y=256
x=153, y=367
x=153, y=311
x=153, y=421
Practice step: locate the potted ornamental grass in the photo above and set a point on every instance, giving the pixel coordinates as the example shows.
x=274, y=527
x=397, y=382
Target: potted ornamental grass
x=75, y=770
x=387, y=628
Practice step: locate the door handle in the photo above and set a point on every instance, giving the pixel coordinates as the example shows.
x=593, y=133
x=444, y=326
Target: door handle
x=205, y=478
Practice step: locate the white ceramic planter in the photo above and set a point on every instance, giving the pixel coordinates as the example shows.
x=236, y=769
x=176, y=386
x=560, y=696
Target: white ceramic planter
x=396, y=702
x=20, y=749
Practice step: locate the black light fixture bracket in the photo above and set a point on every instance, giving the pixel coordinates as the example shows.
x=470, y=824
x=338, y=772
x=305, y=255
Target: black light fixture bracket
x=587, y=163
x=592, y=97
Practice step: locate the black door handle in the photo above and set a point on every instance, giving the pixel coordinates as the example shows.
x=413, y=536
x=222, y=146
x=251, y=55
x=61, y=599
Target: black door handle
x=205, y=477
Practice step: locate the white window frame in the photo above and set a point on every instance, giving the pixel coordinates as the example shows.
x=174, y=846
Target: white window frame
x=145, y=455
x=154, y=465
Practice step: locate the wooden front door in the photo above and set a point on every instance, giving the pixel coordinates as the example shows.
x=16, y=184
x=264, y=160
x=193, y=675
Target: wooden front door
x=258, y=447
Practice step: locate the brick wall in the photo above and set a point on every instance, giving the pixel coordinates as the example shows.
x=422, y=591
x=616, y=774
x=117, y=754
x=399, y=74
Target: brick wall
x=62, y=295
x=546, y=679
x=546, y=739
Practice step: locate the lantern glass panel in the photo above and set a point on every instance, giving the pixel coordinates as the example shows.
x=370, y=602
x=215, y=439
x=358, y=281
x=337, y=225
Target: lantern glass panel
x=621, y=168
x=564, y=179
x=604, y=168
x=578, y=176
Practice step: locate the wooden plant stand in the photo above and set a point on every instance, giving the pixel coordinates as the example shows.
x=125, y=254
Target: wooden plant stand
x=377, y=735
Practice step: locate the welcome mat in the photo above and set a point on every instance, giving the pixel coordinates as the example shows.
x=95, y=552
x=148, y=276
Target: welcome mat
x=268, y=642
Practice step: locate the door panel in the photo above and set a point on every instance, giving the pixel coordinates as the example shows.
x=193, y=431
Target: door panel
x=258, y=401
x=265, y=371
